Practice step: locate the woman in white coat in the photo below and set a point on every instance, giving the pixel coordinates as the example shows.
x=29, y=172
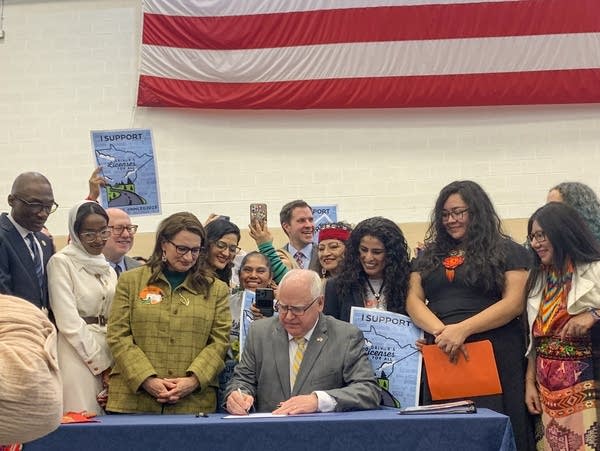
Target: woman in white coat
x=563, y=308
x=81, y=285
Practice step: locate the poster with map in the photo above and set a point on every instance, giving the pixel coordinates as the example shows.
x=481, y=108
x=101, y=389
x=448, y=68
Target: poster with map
x=246, y=317
x=390, y=344
x=323, y=214
x=129, y=168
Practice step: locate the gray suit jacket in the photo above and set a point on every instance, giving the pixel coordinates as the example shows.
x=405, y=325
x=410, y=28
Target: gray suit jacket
x=334, y=362
x=130, y=263
x=17, y=272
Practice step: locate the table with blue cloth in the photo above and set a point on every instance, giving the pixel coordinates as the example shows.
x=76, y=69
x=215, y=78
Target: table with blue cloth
x=365, y=430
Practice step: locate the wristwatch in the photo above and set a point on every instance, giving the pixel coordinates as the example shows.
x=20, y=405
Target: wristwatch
x=594, y=313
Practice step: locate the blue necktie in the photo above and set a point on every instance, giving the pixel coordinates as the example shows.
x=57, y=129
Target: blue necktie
x=37, y=262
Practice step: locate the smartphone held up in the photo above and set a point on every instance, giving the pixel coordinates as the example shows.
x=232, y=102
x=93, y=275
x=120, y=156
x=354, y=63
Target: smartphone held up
x=264, y=301
x=258, y=213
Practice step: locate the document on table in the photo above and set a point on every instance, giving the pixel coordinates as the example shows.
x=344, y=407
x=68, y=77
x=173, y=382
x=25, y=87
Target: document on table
x=253, y=415
x=267, y=415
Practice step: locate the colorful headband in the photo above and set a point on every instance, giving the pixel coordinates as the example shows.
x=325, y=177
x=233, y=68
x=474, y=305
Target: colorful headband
x=332, y=232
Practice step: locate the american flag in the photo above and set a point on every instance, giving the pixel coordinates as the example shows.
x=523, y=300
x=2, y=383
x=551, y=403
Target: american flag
x=295, y=54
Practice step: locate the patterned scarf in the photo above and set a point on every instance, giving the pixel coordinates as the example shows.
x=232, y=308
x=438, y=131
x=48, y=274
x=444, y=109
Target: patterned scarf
x=558, y=285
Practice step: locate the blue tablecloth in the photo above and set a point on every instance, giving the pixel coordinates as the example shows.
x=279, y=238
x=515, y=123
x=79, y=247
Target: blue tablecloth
x=349, y=431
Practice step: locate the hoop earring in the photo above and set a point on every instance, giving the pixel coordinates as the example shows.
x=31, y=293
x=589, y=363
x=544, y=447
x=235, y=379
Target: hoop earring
x=164, y=256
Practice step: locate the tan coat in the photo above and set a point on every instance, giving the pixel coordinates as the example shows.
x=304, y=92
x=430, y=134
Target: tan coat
x=184, y=332
x=30, y=384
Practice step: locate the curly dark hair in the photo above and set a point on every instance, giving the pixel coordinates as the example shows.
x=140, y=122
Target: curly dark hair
x=352, y=277
x=484, y=243
x=215, y=230
x=168, y=228
x=569, y=234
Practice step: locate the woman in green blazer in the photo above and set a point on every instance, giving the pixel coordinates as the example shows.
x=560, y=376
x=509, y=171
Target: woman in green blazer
x=169, y=327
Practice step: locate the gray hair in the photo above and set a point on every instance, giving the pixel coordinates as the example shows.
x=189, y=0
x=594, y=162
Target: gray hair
x=310, y=276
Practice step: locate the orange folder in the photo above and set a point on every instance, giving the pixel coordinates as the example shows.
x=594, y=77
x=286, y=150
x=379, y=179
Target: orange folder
x=477, y=376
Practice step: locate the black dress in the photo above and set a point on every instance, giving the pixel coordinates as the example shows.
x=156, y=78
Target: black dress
x=453, y=302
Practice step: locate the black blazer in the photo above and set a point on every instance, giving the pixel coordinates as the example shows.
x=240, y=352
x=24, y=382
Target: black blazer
x=340, y=307
x=17, y=272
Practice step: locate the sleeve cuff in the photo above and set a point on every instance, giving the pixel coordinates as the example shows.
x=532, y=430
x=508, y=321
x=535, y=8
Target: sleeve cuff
x=326, y=402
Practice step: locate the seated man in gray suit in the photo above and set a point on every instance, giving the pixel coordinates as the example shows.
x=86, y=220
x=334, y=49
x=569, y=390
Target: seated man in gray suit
x=302, y=361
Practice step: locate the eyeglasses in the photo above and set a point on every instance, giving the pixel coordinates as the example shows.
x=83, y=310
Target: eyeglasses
x=222, y=245
x=297, y=310
x=182, y=250
x=539, y=236
x=90, y=237
x=456, y=214
x=118, y=230
x=37, y=207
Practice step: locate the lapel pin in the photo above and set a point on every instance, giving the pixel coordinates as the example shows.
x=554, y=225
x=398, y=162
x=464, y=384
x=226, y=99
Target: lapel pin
x=43, y=243
x=319, y=339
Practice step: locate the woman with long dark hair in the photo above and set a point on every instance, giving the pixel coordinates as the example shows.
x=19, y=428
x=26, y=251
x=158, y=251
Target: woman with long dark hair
x=222, y=237
x=469, y=285
x=563, y=308
x=374, y=272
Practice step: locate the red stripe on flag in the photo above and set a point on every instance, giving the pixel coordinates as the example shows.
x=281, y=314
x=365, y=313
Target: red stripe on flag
x=545, y=87
x=444, y=21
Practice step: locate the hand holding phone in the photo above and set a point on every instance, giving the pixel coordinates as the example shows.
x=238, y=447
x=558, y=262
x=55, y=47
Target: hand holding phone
x=258, y=212
x=264, y=301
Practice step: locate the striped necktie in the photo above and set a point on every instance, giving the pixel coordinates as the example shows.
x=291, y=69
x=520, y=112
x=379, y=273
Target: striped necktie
x=298, y=356
x=299, y=257
x=37, y=261
x=118, y=269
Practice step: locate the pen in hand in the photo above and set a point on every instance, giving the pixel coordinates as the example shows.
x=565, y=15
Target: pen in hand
x=242, y=398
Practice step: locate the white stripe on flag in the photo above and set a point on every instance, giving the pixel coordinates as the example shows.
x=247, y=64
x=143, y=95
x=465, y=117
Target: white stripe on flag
x=376, y=59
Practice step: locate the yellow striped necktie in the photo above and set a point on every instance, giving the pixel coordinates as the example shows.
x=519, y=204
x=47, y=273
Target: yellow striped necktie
x=301, y=342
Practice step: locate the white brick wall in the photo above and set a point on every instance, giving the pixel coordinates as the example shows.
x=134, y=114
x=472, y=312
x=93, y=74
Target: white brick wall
x=67, y=67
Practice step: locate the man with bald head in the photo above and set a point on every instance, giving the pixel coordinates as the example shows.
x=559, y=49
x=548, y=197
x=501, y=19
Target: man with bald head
x=24, y=250
x=119, y=222
x=302, y=361
x=120, y=241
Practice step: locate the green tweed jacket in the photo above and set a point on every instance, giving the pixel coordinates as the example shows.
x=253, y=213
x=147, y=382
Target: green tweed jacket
x=153, y=330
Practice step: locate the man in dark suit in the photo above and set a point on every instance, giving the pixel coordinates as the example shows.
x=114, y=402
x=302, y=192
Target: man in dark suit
x=302, y=361
x=120, y=241
x=24, y=250
x=296, y=219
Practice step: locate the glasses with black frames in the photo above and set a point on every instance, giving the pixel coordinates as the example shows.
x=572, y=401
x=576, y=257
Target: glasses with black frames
x=457, y=214
x=539, y=237
x=37, y=207
x=297, y=310
x=183, y=250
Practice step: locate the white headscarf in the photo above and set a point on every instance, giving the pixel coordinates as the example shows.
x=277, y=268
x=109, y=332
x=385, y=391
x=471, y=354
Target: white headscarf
x=93, y=264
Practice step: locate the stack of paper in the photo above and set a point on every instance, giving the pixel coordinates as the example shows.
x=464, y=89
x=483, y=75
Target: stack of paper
x=465, y=406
